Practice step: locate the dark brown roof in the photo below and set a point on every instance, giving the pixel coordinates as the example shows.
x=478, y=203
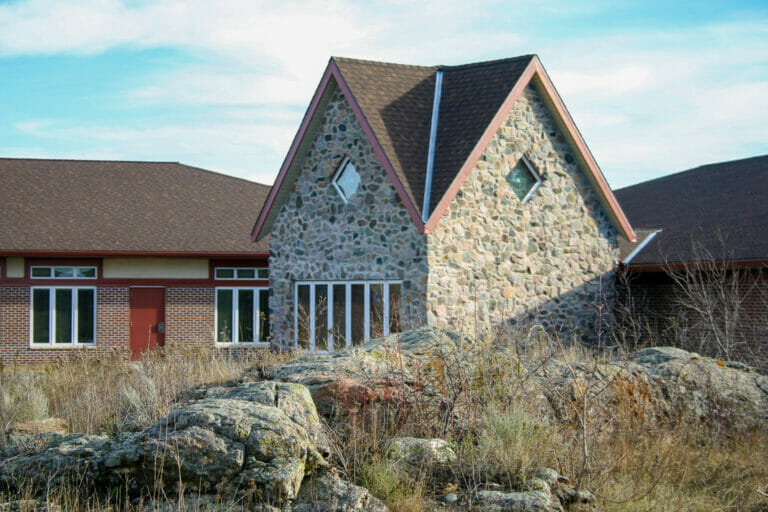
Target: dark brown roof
x=397, y=102
x=109, y=206
x=713, y=212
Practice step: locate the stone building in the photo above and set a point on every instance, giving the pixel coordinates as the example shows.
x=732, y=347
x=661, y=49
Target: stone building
x=460, y=196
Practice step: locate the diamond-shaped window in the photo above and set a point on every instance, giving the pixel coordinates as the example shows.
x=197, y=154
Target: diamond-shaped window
x=346, y=180
x=523, y=179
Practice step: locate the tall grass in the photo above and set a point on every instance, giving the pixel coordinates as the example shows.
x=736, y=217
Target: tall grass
x=110, y=393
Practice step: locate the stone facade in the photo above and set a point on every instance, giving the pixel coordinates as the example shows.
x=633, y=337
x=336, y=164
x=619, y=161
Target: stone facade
x=491, y=259
x=317, y=236
x=549, y=261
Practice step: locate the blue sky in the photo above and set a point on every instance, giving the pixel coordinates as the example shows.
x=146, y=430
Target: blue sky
x=655, y=87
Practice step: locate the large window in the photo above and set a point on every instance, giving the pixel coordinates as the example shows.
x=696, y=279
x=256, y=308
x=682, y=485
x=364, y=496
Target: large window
x=242, y=315
x=338, y=314
x=63, y=316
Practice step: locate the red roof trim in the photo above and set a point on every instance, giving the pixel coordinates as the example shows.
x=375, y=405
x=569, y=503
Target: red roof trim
x=75, y=254
x=332, y=71
x=694, y=265
x=377, y=147
x=534, y=68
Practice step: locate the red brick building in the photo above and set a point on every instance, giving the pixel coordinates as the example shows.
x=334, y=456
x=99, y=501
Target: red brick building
x=698, y=273
x=99, y=255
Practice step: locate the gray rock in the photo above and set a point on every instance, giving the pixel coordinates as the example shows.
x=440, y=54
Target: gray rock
x=527, y=501
x=387, y=369
x=60, y=459
x=328, y=492
x=433, y=457
x=250, y=435
x=449, y=498
x=29, y=506
x=262, y=436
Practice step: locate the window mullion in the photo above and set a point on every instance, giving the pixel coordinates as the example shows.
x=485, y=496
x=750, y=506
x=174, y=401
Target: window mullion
x=330, y=316
x=312, y=317
x=348, y=313
x=367, y=312
x=256, y=314
x=51, y=315
x=235, y=316
x=73, y=315
x=385, y=285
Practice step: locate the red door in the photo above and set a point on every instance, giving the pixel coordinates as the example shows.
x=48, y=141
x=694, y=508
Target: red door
x=147, y=320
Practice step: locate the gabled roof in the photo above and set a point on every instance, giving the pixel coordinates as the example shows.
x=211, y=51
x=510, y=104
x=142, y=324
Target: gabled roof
x=715, y=212
x=393, y=104
x=85, y=206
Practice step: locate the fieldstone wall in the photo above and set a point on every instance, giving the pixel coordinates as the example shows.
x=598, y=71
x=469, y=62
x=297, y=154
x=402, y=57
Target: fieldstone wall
x=316, y=236
x=496, y=260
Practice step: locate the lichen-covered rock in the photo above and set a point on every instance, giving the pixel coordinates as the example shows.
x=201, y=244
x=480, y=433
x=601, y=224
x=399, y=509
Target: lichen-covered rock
x=432, y=457
x=263, y=436
x=543, y=490
x=257, y=434
x=56, y=460
x=387, y=369
x=525, y=501
x=329, y=493
x=709, y=389
x=28, y=506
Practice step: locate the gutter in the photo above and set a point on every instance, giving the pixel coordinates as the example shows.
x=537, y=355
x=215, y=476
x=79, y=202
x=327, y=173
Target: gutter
x=432, y=142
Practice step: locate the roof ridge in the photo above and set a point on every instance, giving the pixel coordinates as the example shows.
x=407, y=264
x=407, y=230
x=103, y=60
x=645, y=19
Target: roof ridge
x=381, y=63
x=692, y=169
x=38, y=159
x=489, y=62
x=151, y=162
x=436, y=66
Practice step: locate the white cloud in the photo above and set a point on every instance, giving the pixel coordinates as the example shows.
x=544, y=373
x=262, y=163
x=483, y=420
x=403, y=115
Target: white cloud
x=648, y=101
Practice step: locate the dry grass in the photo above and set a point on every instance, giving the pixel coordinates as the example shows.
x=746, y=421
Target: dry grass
x=485, y=411
x=107, y=394
x=500, y=434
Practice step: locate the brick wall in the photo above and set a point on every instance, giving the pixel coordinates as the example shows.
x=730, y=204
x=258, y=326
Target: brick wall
x=189, y=320
x=189, y=316
x=656, y=301
x=112, y=326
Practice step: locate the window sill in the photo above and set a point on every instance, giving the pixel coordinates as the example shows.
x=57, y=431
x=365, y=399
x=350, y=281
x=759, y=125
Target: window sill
x=251, y=344
x=60, y=346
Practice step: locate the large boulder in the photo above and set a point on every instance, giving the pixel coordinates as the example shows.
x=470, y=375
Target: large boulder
x=257, y=434
x=261, y=436
x=391, y=369
x=709, y=389
x=329, y=493
x=44, y=460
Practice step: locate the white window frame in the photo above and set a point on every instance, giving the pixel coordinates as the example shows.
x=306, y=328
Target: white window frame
x=527, y=163
x=339, y=171
x=74, y=268
x=52, y=316
x=235, y=316
x=234, y=274
x=348, y=311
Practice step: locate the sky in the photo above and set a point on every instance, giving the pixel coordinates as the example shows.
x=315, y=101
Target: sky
x=655, y=87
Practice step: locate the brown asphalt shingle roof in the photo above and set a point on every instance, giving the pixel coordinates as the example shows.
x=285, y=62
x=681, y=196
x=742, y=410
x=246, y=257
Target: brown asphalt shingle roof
x=84, y=205
x=721, y=207
x=397, y=102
